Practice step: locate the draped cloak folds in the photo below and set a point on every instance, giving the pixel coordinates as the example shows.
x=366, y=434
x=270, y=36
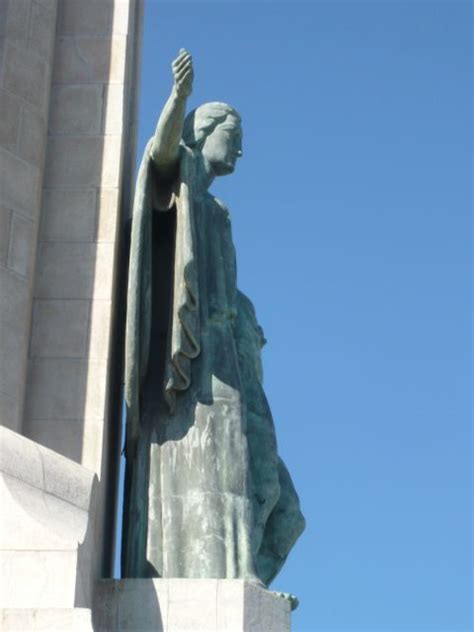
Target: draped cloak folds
x=185, y=310
x=205, y=492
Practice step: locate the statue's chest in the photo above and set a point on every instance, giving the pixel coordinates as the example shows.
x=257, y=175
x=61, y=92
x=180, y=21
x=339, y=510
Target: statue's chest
x=212, y=225
x=216, y=256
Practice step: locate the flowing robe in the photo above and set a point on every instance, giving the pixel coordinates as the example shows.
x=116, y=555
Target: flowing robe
x=190, y=503
x=277, y=521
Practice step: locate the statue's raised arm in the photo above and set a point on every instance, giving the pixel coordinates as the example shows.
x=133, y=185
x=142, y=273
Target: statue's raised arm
x=165, y=146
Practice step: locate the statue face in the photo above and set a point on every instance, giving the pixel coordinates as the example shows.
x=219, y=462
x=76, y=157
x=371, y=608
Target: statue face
x=222, y=148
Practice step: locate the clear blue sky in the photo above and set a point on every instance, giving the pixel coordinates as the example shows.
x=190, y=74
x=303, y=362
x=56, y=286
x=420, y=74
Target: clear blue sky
x=351, y=217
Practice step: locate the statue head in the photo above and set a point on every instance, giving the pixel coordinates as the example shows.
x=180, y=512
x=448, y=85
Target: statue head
x=215, y=130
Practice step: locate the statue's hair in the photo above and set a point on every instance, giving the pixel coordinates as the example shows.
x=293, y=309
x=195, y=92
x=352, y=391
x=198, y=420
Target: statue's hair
x=202, y=121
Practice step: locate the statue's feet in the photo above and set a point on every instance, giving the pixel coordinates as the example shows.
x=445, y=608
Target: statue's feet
x=256, y=581
x=292, y=599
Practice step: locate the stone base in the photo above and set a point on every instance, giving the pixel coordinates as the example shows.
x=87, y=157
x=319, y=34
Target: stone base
x=185, y=605
x=48, y=503
x=46, y=619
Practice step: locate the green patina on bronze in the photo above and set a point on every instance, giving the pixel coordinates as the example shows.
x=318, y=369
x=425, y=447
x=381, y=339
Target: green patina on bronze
x=206, y=493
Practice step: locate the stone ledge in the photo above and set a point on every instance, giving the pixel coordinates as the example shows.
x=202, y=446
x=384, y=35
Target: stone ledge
x=44, y=469
x=47, y=527
x=185, y=605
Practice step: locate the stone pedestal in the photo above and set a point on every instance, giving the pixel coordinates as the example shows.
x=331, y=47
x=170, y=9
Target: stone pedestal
x=185, y=605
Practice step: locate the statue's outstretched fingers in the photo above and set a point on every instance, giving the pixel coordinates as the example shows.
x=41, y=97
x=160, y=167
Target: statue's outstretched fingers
x=182, y=62
x=182, y=72
x=176, y=63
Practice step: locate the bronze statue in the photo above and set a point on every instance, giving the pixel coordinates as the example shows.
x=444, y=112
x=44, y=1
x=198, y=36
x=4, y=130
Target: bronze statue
x=206, y=493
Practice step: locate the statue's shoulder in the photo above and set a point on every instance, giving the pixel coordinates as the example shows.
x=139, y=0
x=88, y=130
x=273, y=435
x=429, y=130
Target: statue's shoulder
x=221, y=207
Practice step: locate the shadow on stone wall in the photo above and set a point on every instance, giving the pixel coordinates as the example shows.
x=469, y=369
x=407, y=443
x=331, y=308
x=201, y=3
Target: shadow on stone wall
x=130, y=605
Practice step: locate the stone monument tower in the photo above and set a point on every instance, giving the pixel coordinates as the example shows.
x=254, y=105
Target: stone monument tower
x=68, y=93
x=69, y=75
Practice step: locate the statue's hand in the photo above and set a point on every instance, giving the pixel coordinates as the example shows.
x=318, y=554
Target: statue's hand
x=183, y=74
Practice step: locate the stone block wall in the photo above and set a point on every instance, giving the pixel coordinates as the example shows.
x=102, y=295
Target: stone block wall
x=78, y=241
x=27, y=36
x=68, y=96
